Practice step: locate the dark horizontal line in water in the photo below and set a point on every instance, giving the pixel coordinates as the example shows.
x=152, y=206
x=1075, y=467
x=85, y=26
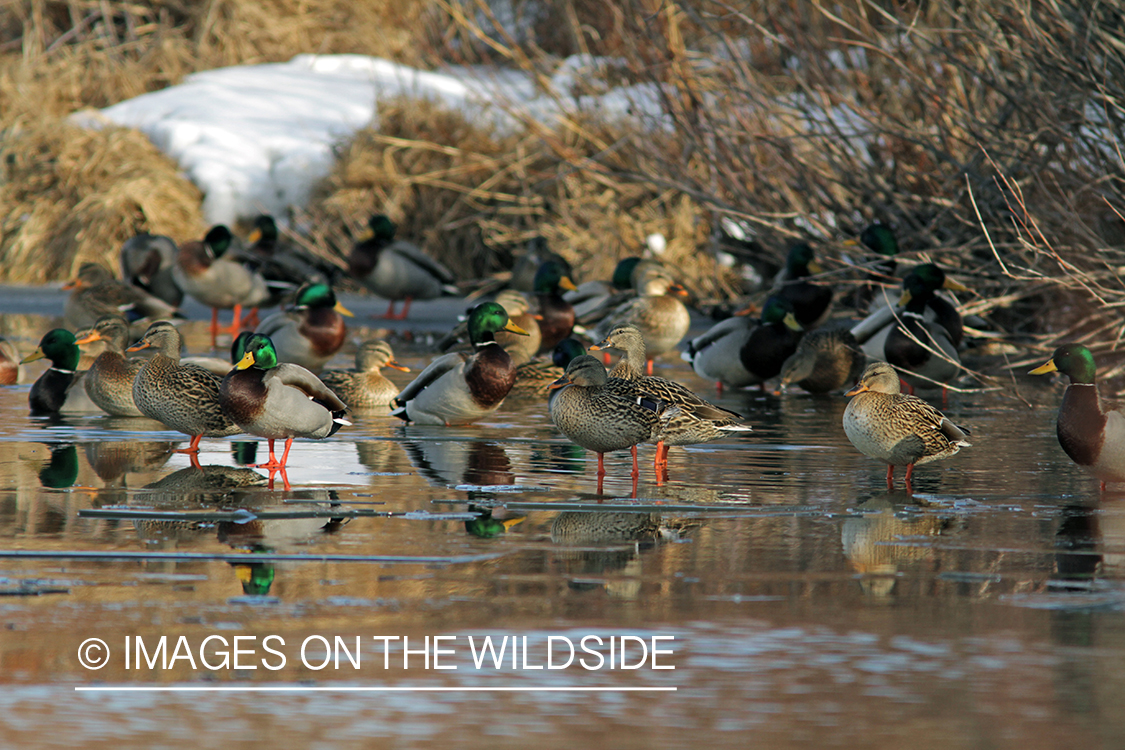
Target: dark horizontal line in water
x=617, y=506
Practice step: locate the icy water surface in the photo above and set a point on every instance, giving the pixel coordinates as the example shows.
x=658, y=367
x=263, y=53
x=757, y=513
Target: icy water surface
x=800, y=603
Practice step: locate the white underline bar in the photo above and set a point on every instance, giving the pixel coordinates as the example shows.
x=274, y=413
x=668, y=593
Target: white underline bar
x=303, y=689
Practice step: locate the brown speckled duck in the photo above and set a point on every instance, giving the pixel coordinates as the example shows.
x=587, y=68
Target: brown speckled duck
x=1091, y=434
x=109, y=381
x=459, y=388
x=366, y=387
x=278, y=400
x=95, y=292
x=896, y=428
x=826, y=359
x=184, y=397
x=685, y=418
x=603, y=414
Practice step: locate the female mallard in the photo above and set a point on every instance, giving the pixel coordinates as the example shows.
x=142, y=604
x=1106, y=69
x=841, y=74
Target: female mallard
x=109, y=381
x=182, y=396
x=59, y=389
x=396, y=269
x=311, y=331
x=826, y=359
x=95, y=292
x=366, y=387
x=147, y=261
x=534, y=378
x=1092, y=435
x=458, y=388
x=811, y=302
x=555, y=314
x=685, y=418
x=602, y=414
x=9, y=363
x=895, y=428
x=277, y=400
x=656, y=312
x=204, y=271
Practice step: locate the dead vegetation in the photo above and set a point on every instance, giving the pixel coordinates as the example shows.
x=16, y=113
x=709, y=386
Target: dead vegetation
x=986, y=133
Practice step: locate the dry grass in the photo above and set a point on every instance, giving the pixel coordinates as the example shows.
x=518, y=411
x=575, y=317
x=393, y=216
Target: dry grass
x=986, y=133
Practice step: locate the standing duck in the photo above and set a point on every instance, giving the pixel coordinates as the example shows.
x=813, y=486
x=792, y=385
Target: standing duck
x=927, y=279
x=458, y=388
x=311, y=331
x=898, y=429
x=935, y=359
x=555, y=314
x=685, y=418
x=657, y=312
x=811, y=302
x=366, y=387
x=109, y=381
x=147, y=261
x=59, y=389
x=1092, y=435
x=397, y=269
x=602, y=414
x=204, y=271
x=278, y=400
x=182, y=396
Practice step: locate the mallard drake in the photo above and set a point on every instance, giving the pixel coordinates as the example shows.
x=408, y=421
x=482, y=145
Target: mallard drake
x=311, y=331
x=366, y=387
x=901, y=347
x=534, y=378
x=811, y=302
x=95, y=292
x=521, y=348
x=276, y=400
x=109, y=381
x=826, y=359
x=896, y=428
x=285, y=261
x=59, y=389
x=9, y=363
x=685, y=418
x=656, y=312
x=741, y=351
x=204, y=271
x=602, y=414
x=184, y=397
x=147, y=261
x=397, y=269
x=555, y=314
x=1090, y=433
x=459, y=388
x=872, y=332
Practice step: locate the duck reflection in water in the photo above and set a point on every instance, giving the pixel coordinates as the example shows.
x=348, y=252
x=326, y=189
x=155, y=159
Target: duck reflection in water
x=456, y=463
x=113, y=460
x=621, y=536
x=491, y=522
x=869, y=540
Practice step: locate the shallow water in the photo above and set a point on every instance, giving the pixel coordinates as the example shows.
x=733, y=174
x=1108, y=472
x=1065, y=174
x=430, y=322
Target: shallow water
x=800, y=603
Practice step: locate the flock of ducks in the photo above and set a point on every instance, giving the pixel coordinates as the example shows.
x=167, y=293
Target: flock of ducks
x=522, y=342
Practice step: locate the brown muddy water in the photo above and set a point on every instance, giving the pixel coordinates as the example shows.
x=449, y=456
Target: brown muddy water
x=790, y=599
